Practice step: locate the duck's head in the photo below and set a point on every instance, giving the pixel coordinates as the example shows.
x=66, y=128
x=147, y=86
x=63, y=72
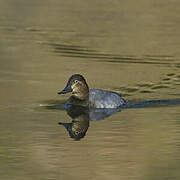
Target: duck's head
x=78, y=86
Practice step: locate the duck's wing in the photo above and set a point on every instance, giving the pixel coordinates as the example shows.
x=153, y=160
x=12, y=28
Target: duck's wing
x=105, y=99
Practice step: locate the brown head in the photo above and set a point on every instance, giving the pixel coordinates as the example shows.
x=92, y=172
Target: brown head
x=78, y=86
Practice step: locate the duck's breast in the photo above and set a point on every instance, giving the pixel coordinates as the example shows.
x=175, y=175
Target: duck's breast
x=104, y=99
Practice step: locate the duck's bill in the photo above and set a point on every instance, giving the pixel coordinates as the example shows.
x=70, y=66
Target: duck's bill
x=65, y=90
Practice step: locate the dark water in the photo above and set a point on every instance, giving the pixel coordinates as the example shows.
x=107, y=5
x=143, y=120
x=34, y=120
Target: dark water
x=131, y=47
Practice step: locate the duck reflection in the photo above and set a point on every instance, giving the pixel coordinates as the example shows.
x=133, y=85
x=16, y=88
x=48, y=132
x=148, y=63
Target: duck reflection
x=80, y=119
x=80, y=122
x=81, y=116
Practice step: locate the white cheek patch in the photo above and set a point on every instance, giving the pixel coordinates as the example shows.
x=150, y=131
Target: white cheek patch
x=74, y=89
x=73, y=86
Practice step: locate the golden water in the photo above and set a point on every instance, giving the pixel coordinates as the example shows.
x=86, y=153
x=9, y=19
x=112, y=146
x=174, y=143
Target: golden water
x=131, y=47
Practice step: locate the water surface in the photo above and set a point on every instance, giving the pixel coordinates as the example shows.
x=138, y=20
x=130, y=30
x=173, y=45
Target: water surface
x=128, y=47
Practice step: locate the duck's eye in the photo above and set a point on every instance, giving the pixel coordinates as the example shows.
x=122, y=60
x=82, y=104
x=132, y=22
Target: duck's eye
x=76, y=81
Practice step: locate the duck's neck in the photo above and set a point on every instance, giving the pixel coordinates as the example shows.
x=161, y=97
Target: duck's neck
x=81, y=95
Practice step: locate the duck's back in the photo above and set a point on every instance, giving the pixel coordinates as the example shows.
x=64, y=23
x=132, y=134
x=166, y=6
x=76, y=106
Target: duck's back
x=104, y=99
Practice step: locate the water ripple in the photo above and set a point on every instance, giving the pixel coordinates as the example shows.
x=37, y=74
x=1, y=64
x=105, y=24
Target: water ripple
x=67, y=50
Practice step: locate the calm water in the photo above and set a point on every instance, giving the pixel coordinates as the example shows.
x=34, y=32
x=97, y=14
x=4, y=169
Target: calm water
x=131, y=47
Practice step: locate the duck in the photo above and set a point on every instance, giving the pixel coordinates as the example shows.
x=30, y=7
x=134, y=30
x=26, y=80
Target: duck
x=92, y=98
